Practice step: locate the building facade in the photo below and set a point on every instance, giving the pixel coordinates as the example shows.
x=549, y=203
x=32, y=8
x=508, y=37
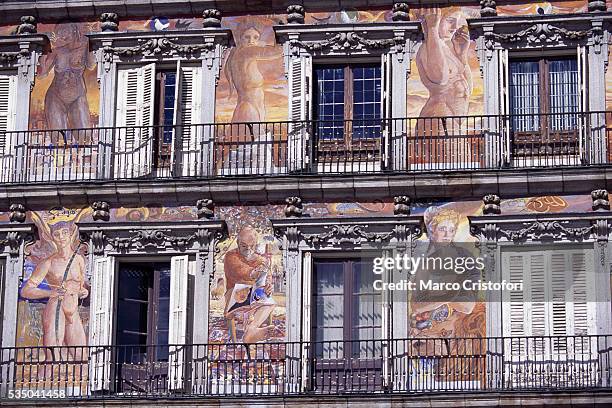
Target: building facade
x=212, y=201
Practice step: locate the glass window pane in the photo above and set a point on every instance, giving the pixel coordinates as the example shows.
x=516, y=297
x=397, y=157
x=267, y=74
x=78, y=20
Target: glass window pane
x=525, y=95
x=563, y=93
x=366, y=101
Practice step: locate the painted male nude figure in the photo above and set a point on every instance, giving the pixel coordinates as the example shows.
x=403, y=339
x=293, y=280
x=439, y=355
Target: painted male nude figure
x=64, y=272
x=66, y=104
x=442, y=61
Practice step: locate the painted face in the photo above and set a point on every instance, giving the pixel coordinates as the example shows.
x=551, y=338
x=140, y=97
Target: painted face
x=449, y=26
x=67, y=35
x=444, y=231
x=61, y=236
x=250, y=37
x=247, y=244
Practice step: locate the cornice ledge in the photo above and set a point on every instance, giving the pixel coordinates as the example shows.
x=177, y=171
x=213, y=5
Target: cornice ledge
x=12, y=47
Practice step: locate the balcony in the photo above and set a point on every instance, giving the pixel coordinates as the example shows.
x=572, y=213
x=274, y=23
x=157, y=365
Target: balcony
x=386, y=367
x=406, y=145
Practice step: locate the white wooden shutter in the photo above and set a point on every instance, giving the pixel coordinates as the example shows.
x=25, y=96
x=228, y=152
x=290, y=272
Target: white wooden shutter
x=300, y=106
x=306, y=316
x=101, y=323
x=504, y=103
x=188, y=114
x=179, y=278
x=586, y=138
x=135, y=115
x=8, y=120
x=385, y=112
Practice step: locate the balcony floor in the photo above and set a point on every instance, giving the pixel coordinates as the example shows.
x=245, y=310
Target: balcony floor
x=536, y=399
x=434, y=185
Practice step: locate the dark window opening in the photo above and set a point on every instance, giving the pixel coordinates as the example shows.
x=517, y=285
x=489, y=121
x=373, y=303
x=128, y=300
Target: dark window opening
x=164, y=117
x=143, y=315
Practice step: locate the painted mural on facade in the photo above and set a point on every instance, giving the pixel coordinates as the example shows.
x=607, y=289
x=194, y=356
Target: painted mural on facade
x=247, y=301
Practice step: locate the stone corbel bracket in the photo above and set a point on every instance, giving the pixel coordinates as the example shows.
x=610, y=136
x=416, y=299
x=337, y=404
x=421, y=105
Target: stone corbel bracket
x=13, y=237
x=347, y=233
x=353, y=39
x=152, y=237
x=21, y=52
x=540, y=31
x=204, y=44
x=538, y=228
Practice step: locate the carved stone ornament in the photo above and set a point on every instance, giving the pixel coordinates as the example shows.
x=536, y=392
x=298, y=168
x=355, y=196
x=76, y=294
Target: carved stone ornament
x=27, y=26
x=401, y=205
x=21, y=52
x=109, y=22
x=540, y=227
x=12, y=236
x=101, y=211
x=17, y=213
x=206, y=208
x=345, y=39
x=206, y=43
x=600, y=200
x=211, y=18
x=541, y=33
x=295, y=14
x=492, y=205
x=488, y=8
x=597, y=6
x=400, y=12
x=128, y=237
x=294, y=207
x=355, y=233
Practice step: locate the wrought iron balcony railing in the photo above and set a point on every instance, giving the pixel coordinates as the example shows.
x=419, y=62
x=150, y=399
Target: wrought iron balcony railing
x=310, y=147
x=500, y=364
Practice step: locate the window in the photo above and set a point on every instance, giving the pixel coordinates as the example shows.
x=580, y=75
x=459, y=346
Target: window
x=544, y=102
x=8, y=116
x=346, y=307
x=553, y=304
x=348, y=108
x=143, y=302
x=156, y=110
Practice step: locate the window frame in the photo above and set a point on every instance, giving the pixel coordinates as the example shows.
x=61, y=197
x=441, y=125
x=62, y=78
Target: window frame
x=544, y=140
x=347, y=148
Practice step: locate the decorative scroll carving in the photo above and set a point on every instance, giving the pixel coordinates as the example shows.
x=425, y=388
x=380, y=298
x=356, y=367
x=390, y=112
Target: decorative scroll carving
x=541, y=230
x=294, y=207
x=158, y=46
x=347, y=41
x=156, y=237
x=543, y=227
x=540, y=33
x=17, y=213
x=321, y=233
